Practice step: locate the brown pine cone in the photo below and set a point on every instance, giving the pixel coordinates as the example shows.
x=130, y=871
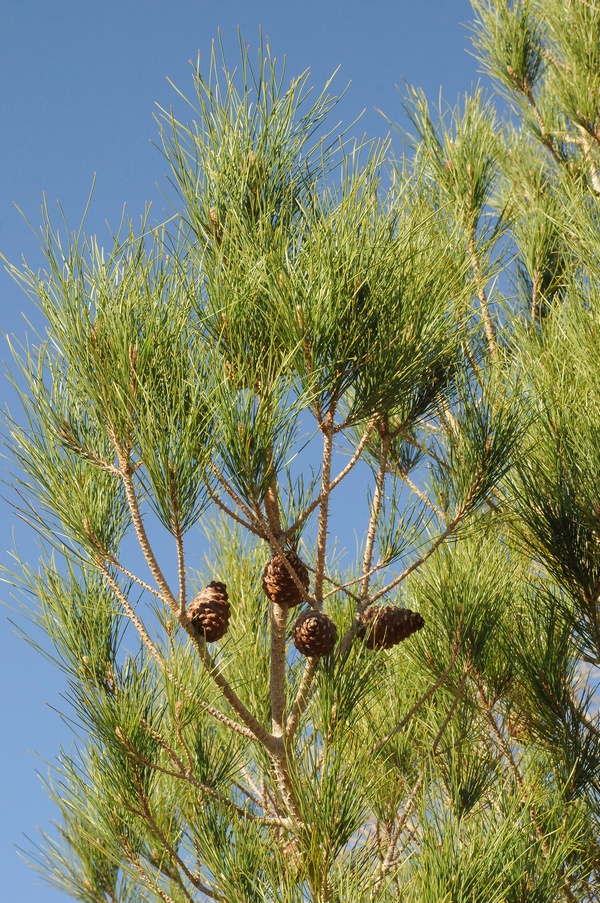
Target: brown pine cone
x=278, y=583
x=517, y=727
x=385, y=626
x=314, y=633
x=209, y=611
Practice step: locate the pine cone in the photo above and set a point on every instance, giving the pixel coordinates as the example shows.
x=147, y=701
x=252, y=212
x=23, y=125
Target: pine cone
x=277, y=582
x=516, y=726
x=209, y=611
x=314, y=633
x=382, y=628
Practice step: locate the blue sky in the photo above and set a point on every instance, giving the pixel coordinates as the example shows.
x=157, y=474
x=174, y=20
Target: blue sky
x=79, y=83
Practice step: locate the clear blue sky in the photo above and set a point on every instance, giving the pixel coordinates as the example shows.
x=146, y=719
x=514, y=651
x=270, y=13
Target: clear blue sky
x=79, y=82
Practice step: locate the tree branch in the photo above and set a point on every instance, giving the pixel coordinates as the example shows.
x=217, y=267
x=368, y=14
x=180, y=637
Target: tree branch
x=131, y=576
x=145, y=637
x=395, y=834
x=343, y=587
x=420, y=702
x=181, y=572
x=186, y=774
x=251, y=516
x=415, y=489
x=67, y=435
x=258, y=732
x=302, y=698
x=483, y=299
x=463, y=511
x=232, y=514
x=525, y=89
x=278, y=631
x=173, y=854
x=373, y=518
x=586, y=142
x=327, y=429
x=145, y=878
x=500, y=741
x=140, y=530
x=343, y=473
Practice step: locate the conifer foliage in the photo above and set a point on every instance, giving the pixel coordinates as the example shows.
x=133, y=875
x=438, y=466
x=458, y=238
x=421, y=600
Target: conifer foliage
x=277, y=721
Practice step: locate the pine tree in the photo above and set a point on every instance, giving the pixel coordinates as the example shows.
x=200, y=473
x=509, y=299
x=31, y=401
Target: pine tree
x=273, y=722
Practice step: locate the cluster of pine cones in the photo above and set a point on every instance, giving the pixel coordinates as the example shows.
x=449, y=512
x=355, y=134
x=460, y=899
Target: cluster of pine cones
x=285, y=583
